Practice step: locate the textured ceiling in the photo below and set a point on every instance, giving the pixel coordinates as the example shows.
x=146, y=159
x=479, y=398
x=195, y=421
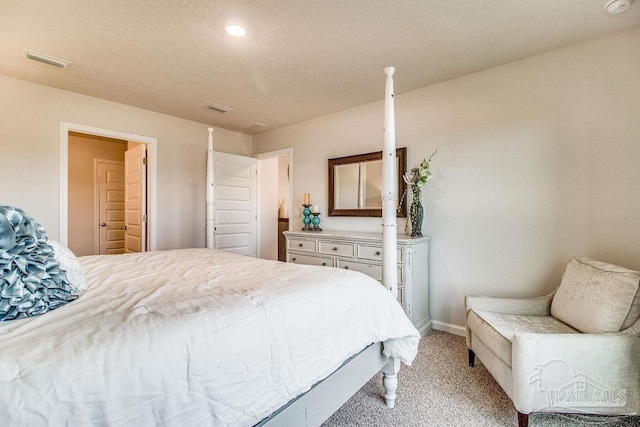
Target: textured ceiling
x=300, y=59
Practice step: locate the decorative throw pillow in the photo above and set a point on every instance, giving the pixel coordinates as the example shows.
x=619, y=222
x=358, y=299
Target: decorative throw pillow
x=31, y=280
x=597, y=297
x=70, y=264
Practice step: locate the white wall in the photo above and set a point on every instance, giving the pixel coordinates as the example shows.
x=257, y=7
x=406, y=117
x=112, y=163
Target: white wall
x=538, y=160
x=30, y=116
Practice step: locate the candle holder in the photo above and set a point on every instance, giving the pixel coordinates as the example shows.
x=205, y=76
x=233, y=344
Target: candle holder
x=315, y=221
x=307, y=218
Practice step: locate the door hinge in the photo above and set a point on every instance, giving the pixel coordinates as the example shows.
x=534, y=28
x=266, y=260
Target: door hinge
x=144, y=160
x=145, y=218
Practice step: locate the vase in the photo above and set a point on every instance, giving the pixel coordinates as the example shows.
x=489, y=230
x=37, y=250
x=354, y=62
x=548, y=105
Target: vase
x=416, y=212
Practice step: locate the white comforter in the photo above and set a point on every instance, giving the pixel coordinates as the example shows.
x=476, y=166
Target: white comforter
x=191, y=337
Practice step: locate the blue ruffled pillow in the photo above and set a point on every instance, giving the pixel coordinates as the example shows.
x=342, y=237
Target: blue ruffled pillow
x=31, y=280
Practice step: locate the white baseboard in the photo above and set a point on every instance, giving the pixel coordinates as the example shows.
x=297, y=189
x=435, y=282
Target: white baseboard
x=424, y=327
x=448, y=327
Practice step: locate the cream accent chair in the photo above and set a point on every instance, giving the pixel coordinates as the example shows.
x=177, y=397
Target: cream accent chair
x=574, y=351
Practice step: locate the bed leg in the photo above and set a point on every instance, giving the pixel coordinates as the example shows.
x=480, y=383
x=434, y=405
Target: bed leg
x=390, y=381
x=523, y=419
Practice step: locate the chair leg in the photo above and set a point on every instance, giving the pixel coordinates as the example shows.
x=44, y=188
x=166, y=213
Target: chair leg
x=472, y=358
x=523, y=419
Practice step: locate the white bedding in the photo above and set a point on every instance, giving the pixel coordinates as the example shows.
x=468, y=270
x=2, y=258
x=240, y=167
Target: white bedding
x=191, y=337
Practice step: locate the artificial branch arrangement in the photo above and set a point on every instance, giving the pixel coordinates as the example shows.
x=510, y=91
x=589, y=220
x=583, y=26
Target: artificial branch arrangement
x=416, y=178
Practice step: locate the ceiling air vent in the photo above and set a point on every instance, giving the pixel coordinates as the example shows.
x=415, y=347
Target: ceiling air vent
x=219, y=108
x=254, y=128
x=47, y=59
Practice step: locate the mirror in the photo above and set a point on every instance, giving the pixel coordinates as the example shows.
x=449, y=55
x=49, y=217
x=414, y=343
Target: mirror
x=355, y=184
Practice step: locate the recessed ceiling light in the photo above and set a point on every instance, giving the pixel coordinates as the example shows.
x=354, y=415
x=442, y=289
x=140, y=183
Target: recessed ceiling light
x=617, y=6
x=235, y=30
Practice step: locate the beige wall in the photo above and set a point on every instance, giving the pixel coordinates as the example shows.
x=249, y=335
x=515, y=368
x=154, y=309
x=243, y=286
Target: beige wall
x=83, y=150
x=30, y=116
x=537, y=162
x=268, y=208
x=283, y=182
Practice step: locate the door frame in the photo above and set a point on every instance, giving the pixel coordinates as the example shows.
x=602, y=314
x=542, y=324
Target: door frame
x=152, y=175
x=283, y=152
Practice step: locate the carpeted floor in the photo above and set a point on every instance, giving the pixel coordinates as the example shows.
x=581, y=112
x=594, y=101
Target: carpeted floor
x=440, y=389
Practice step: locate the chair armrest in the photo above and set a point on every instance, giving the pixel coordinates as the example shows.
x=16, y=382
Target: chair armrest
x=596, y=373
x=538, y=306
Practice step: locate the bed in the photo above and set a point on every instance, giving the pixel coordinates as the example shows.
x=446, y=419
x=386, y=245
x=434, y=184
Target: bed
x=191, y=337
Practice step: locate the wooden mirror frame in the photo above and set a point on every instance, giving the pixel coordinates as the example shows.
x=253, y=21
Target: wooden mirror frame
x=401, y=155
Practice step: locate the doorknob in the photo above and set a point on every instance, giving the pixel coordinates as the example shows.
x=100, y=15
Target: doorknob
x=104, y=224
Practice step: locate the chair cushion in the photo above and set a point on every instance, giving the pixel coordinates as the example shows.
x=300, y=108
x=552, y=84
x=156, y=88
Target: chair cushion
x=596, y=297
x=496, y=330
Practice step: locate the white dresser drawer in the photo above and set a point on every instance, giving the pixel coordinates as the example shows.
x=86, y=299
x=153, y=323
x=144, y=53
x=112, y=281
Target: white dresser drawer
x=375, y=252
x=310, y=260
x=373, y=270
x=302, y=245
x=339, y=249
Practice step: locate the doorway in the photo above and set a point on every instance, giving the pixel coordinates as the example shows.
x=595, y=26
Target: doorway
x=274, y=200
x=107, y=192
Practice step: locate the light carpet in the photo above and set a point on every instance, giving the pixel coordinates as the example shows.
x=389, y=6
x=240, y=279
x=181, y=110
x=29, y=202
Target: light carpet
x=440, y=389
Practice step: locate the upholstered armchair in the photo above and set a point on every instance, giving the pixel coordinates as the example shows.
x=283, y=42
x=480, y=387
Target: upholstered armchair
x=574, y=351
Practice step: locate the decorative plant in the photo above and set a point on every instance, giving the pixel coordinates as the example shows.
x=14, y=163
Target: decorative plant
x=420, y=175
x=416, y=178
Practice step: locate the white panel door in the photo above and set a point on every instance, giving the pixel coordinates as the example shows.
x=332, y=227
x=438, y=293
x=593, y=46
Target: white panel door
x=135, y=203
x=235, y=182
x=110, y=188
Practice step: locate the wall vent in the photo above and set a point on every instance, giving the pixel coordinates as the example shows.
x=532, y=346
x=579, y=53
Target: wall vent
x=47, y=59
x=219, y=108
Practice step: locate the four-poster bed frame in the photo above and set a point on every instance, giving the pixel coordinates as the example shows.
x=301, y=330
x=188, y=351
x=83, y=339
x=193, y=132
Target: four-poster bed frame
x=324, y=398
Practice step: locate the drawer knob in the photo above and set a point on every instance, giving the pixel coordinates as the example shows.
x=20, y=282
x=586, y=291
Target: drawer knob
x=324, y=263
x=300, y=244
x=293, y=259
x=346, y=267
x=378, y=252
x=335, y=248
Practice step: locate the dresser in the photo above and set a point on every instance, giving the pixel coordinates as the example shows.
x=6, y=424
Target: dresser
x=283, y=225
x=363, y=252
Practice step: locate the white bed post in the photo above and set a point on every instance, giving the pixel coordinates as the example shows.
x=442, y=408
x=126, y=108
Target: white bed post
x=389, y=191
x=389, y=225
x=210, y=226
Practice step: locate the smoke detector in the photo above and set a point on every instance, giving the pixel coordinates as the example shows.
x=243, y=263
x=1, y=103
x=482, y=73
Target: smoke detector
x=617, y=6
